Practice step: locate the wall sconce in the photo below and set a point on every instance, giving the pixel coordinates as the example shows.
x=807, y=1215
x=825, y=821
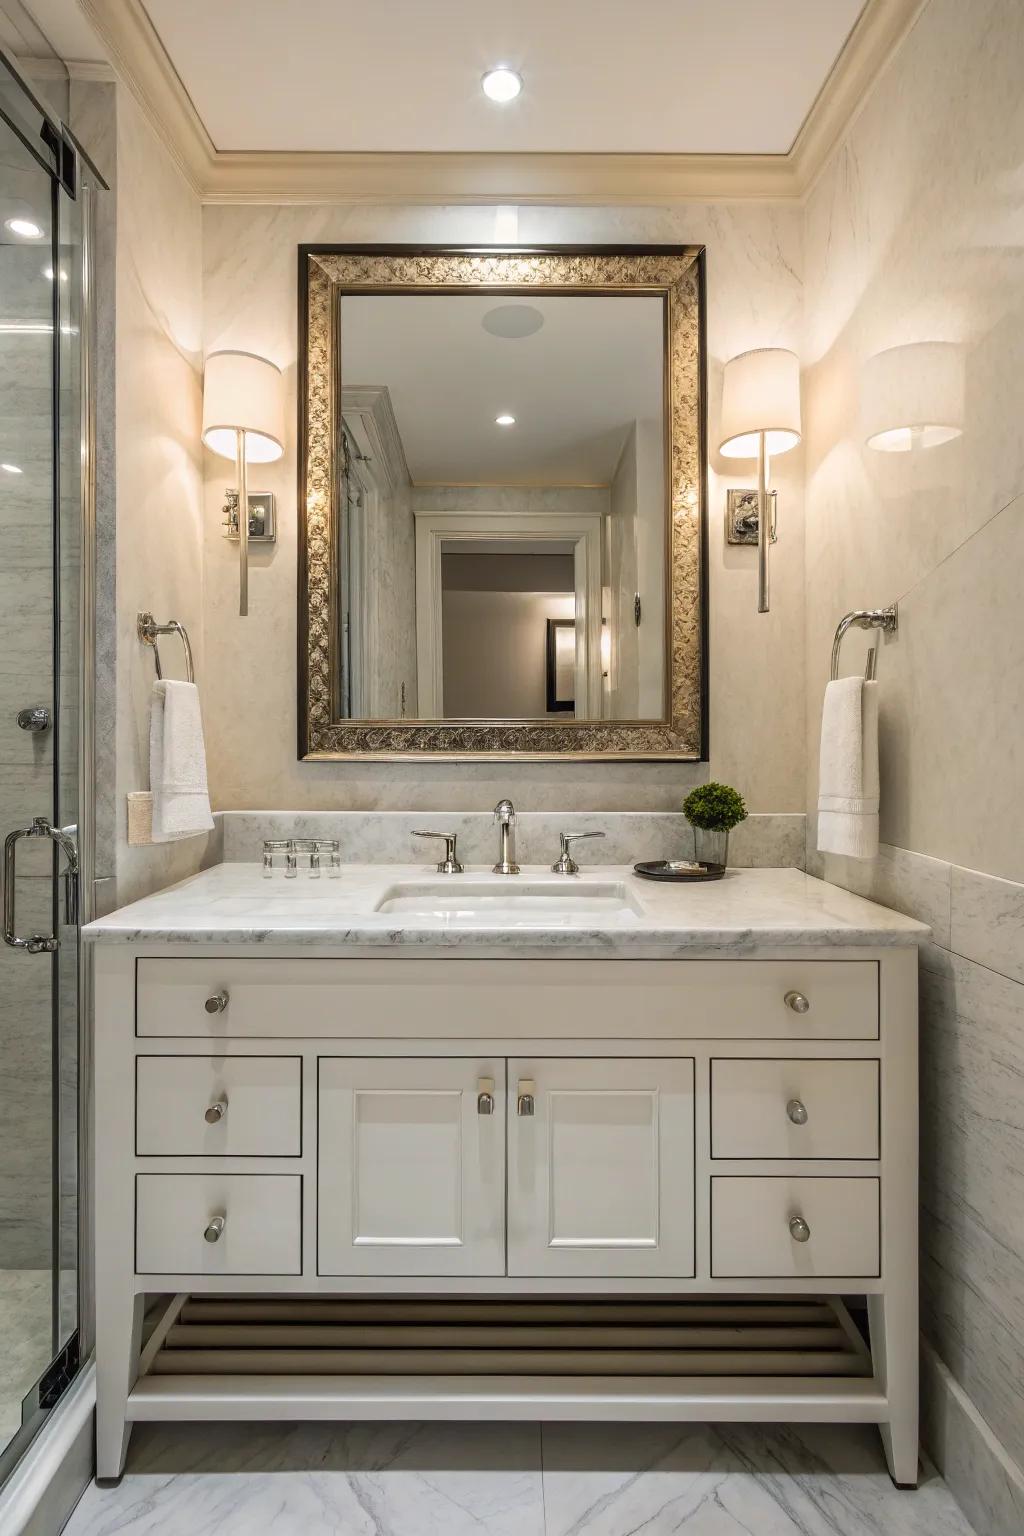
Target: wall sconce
x=761, y=417
x=913, y=396
x=243, y=419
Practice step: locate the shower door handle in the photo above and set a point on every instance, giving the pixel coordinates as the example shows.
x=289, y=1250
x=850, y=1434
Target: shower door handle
x=39, y=943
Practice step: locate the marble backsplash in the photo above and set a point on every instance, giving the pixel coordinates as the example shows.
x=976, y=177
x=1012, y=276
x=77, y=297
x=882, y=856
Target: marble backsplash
x=385, y=837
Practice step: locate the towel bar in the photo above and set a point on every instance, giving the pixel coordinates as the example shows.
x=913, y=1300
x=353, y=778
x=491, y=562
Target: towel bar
x=886, y=619
x=148, y=631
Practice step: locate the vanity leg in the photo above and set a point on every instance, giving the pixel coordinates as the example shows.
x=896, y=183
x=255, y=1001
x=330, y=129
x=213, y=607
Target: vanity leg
x=894, y=1350
x=118, y=1338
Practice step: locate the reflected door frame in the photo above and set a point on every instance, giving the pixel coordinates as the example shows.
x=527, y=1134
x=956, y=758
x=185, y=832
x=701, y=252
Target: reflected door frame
x=436, y=529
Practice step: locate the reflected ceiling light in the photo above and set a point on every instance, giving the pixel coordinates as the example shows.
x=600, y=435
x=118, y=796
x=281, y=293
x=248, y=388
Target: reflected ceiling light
x=512, y=321
x=11, y=469
x=48, y=274
x=761, y=416
x=502, y=84
x=913, y=396
x=504, y=420
x=24, y=228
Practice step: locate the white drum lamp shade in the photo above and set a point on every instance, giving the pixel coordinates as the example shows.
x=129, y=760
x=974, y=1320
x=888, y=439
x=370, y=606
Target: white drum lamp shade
x=243, y=393
x=913, y=396
x=243, y=419
x=760, y=393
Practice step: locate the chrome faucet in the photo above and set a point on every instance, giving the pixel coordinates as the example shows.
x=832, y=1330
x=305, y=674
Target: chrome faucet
x=505, y=816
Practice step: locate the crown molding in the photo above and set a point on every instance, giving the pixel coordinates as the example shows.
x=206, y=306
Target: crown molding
x=876, y=36
x=303, y=177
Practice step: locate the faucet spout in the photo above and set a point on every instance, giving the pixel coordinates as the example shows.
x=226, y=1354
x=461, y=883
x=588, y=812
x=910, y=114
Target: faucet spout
x=505, y=816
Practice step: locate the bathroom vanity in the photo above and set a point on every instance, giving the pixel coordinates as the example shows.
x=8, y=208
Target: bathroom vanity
x=404, y=1146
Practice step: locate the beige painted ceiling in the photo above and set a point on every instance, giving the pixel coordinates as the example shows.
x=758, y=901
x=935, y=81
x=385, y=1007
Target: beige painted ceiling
x=575, y=385
x=650, y=76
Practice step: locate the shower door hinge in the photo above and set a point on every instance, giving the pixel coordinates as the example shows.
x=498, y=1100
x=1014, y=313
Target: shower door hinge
x=55, y=1381
x=65, y=157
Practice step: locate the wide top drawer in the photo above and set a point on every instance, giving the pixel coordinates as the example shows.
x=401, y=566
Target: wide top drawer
x=508, y=999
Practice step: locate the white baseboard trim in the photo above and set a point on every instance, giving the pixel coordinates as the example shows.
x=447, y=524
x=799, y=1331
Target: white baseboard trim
x=57, y=1467
x=983, y=1478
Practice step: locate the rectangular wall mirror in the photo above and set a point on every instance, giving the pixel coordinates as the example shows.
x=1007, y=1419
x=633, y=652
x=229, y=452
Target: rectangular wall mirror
x=502, y=487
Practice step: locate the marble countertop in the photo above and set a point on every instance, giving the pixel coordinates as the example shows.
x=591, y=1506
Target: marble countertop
x=604, y=911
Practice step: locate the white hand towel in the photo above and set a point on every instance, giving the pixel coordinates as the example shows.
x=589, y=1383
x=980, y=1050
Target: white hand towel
x=177, y=764
x=848, y=774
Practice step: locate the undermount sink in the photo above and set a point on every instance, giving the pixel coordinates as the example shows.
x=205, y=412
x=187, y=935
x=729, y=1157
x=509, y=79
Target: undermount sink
x=509, y=900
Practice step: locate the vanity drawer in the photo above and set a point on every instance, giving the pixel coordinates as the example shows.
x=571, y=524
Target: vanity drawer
x=408, y=998
x=794, y=1107
x=218, y=1106
x=262, y=1224
x=755, y=1228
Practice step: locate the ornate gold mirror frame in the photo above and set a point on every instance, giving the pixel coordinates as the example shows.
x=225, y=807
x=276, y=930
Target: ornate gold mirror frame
x=325, y=274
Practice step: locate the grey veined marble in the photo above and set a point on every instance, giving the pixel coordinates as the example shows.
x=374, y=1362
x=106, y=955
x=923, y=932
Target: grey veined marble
x=511, y=1480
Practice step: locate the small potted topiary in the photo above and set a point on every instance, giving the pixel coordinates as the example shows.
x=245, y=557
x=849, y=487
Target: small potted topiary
x=712, y=811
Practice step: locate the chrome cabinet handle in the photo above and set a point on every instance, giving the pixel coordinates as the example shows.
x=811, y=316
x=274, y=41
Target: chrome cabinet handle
x=216, y=1112
x=37, y=719
x=797, y=1002
x=797, y=1111
x=38, y=943
x=565, y=864
x=217, y=1003
x=215, y=1229
x=485, y=1096
x=799, y=1231
x=525, y=1101
x=449, y=865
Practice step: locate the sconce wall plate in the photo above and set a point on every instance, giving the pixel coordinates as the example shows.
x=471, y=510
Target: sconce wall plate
x=262, y=527
x=741, y=516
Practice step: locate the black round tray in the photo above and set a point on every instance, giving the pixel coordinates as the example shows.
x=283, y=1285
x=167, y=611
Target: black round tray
x=661, y=870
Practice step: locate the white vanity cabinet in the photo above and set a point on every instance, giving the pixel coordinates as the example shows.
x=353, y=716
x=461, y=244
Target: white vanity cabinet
x=416, y=1185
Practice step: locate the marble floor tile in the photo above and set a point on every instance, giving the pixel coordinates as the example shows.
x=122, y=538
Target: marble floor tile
x=322, y=1479
x=733, y=1480
x=598, y=1480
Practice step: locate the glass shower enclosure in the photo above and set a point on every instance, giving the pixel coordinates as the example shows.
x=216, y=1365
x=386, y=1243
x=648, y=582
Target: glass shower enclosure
x=44, y=464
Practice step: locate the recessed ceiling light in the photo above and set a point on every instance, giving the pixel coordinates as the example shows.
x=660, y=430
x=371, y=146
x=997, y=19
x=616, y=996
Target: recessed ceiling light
x=23, y=227
x=502, y=84
x=11, y=469
x=504, y=420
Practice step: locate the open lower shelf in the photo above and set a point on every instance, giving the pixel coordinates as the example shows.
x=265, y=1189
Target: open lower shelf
x=251, y=1358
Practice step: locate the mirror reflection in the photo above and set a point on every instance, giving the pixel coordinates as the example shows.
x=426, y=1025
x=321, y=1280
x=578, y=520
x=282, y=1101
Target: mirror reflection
x=503, y=526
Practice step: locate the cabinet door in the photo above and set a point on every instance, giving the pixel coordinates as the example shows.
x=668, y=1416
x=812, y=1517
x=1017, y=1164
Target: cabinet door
x=601, y=1172
x=411, y=1167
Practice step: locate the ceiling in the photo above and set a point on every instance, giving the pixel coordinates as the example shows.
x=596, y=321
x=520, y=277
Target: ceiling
x=329, y=101
x=574, y=386
x=656, y=76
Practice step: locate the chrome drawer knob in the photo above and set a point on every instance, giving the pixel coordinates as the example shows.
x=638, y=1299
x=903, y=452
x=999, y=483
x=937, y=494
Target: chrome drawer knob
x=215, y=1229
x=217, y=1003
x=796, y=1111
x=797, y=1002
x=799, y=1231
x=216, y=1112
x=524, y=1096
x=485, y=1096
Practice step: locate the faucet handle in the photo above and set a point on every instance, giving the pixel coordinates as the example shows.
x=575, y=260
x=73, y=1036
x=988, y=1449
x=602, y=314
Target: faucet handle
x=449, y=865
x=565, y=863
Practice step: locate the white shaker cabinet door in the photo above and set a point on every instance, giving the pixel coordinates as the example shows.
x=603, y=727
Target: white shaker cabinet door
x=601, y=1177
x=411, y=1167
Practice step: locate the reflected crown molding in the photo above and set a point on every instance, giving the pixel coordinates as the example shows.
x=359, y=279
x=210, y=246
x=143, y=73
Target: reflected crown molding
x=282, y=177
